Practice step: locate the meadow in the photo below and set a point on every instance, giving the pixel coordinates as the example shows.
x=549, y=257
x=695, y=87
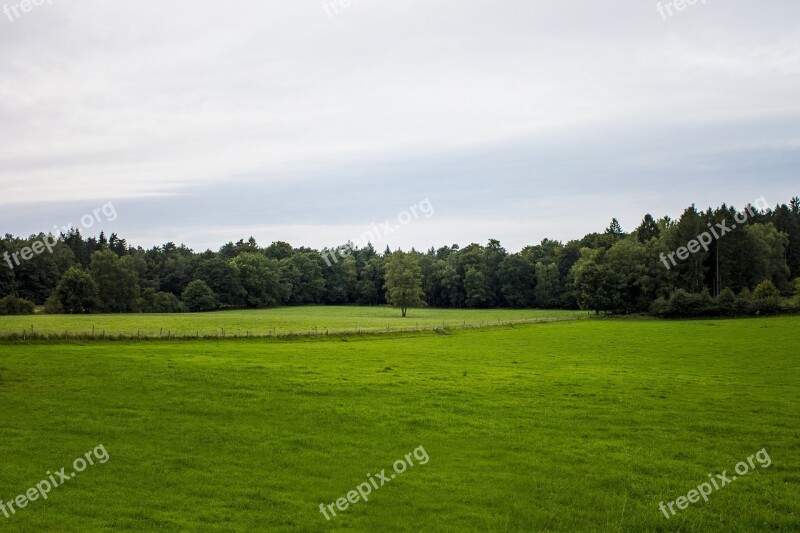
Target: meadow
x=272, y=322
x=567, y=426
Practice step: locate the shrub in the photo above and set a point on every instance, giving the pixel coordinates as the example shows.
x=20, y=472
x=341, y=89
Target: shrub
x=767, y=306
x=199, y=297
x=660, y=307
x=766, y=290
x=52, y=306
x=726, y=302
x=744, y=303
x=160, y=302
x=77, y=291
x=684, y=304
x=11, y=305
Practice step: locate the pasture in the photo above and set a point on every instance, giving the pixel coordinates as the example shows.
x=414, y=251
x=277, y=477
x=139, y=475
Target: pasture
x=571, y=426
x=272, y=322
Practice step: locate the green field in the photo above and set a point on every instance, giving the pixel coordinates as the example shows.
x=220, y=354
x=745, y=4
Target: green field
x=571, y=426
x=266, y=322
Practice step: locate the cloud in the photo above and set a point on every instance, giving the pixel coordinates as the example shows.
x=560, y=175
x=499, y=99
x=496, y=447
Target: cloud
x=275, y=115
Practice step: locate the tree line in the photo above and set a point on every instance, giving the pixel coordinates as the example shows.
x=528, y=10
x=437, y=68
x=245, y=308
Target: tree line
x=753, y=268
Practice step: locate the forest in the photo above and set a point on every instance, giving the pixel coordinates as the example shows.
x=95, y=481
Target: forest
x=752, y=269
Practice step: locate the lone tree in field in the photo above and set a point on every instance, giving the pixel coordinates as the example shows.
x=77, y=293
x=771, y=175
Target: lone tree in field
x=404, y=282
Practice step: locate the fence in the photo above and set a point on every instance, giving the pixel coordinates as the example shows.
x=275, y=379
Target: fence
x=166, y=334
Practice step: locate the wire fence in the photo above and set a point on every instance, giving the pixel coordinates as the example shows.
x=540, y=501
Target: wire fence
x=167, y=334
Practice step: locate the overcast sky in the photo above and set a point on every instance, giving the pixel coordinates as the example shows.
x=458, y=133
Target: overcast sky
x=207, y=122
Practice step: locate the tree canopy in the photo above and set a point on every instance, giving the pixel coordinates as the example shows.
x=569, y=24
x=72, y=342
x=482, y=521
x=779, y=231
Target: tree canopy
x=611, y=271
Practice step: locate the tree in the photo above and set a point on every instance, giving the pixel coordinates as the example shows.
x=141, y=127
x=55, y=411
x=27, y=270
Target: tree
x=199, y=297
x=547, y=291
x=117, y=281
x=260, y=278
x=77, y=292
x=766, y=298
x=766, y=289
x=518, y=278
x=279, y=250
x=301, y=275
x=341, y=282
x=224, y=278
x=769, y=254
x=597, y=286
x=404, y=282
x=691, y=271
x=494, y=256
x=478, y=289
x=371, y=281
x=615, y=228
x=628, y=259
x=648, y=229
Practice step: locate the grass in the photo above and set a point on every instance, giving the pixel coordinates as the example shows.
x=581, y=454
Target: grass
x=264, y=322
x=571, y=426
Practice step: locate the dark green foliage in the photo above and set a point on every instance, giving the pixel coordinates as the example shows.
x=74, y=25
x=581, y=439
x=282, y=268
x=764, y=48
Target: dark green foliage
x=259, y=277
x=609, y=272
x=224, y=278
x=477, y=288
x=11, y=305
x=160, y=302
x=199, y=297
x=517, y=277
x=77, y=292
x=648, y=229
x=404, y=282
x=117, y=282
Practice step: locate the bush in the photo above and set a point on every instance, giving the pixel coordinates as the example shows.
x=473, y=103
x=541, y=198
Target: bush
x=726, y=302
x=660, y=307
x=766, y=290
x=199, y=297
x=52, y=306
x=744, y=303
x=767, y=306
x=11, y=305
x=684, y=304
x=160, y=302
x=77, y=291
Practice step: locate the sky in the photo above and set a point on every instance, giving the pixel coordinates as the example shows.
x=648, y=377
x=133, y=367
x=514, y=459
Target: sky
x=313, y=121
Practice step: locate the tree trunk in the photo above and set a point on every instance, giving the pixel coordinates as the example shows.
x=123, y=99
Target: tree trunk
x=405, y=310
